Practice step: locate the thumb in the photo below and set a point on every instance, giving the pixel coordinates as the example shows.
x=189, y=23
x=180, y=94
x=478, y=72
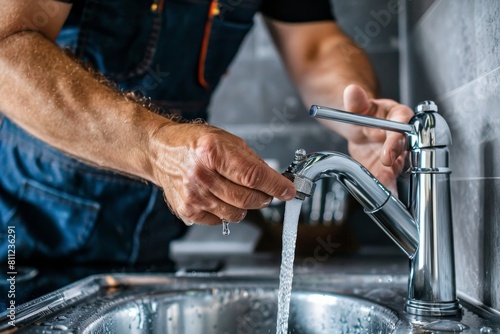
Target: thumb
x=356, y=100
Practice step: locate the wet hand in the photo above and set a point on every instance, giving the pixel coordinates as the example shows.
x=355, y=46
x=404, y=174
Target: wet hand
x=208, y=174
x=381, y=152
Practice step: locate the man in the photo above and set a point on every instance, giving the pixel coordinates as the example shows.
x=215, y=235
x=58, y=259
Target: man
x=86, y=169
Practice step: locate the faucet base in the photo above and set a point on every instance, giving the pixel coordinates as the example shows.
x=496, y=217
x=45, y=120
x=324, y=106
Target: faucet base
x=433, y=309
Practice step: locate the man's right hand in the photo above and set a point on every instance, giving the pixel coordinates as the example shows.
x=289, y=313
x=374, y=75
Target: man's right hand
x=208, y=174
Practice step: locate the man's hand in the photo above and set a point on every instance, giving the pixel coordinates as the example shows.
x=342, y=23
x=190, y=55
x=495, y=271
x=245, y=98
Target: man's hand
x=381, y=152
x=208, y=174
x=323, y=62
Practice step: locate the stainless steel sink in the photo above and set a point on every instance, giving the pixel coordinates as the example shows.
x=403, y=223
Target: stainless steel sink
x=165, y=303
x=206, y=304
x=236, y=310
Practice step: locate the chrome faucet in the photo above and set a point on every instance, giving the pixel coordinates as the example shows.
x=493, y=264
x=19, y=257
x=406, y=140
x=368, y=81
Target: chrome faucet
x=424, y=229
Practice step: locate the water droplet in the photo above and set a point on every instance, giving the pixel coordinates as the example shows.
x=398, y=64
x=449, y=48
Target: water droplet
x=486, y=330
x=225, y=227
x=60, y=327
x=300, y=154
x=446, y=326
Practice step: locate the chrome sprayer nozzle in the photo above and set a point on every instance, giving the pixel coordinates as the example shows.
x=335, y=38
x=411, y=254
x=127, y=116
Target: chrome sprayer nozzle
x=303, y=185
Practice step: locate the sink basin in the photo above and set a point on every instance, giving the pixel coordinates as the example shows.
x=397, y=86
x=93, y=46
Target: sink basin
x=207, y=303
x=163, y=304
x=241, y=311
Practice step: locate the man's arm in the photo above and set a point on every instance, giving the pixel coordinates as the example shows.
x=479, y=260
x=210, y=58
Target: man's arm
x=329, y=69
x=207, y=174
x=322, y=60
x=52, y=97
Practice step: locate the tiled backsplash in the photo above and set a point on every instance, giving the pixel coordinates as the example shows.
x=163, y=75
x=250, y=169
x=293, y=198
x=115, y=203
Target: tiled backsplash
x=452, y=50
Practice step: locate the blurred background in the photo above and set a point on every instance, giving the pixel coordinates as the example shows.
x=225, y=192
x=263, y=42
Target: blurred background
x=257, y=102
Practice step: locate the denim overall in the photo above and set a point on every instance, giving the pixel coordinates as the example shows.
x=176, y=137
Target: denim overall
x=173, y=51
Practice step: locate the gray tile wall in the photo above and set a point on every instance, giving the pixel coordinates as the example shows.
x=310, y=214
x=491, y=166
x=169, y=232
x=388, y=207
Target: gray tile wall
x=452, y=49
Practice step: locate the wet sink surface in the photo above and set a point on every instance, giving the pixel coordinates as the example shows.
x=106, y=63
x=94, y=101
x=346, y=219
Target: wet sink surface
x=242, y=311
x=168, y=304
x=165, y=303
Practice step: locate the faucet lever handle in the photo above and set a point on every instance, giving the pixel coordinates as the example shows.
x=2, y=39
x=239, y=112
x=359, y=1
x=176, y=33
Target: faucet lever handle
x=351, y=118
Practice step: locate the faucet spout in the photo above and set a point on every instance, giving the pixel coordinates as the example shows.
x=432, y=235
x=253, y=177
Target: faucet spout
x=378, y=203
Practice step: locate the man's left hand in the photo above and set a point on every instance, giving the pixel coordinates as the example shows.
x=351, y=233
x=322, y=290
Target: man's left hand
x=381, y=152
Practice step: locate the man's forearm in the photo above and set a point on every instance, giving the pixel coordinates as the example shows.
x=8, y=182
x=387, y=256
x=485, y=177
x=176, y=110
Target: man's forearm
x=55, y=99
x=322, y=61
x=339, y=63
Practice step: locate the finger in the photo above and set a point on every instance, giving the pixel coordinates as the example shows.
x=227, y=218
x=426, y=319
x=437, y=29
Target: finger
x=387, y=178
x=200, y=208
x=255, y=174
x=198, y=205
x=205, y=218
x=399, y=113
x=233, y=160
x=237, y=195
x=394, y=146
x=374, y=134
x=225, y=211
x=356, y=100
x=395, y=143
x=212, y=213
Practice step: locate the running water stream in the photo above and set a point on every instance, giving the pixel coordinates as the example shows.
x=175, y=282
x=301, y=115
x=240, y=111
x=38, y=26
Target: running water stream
x=290, y=224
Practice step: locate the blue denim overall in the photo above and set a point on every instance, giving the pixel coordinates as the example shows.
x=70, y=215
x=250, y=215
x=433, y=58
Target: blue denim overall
x=174, y=52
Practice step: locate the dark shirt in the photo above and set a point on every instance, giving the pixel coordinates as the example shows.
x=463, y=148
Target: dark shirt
x=290, y=10
x=297, y=10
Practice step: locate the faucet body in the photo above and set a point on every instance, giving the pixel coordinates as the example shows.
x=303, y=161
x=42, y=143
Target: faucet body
x=424, y=229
